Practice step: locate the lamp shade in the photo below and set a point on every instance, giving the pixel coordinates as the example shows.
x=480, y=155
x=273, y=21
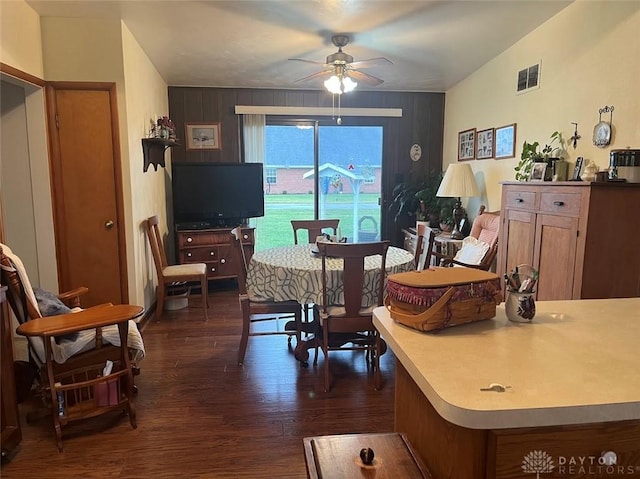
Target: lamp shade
x=458, y=182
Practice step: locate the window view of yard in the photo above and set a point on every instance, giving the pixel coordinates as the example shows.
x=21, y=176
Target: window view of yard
x=347, y=171
x=275, y=228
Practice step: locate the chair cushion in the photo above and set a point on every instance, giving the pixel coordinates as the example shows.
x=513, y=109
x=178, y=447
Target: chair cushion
x=185, y=269
x=472, y=251
x=486, y=227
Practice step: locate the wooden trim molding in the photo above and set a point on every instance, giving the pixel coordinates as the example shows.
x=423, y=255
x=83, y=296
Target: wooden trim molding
x=317, y=111
x=20, y=75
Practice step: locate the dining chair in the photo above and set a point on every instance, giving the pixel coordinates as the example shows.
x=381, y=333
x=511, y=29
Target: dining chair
x=350, y=322
x=259, y=310
x=172, y=275
x=314, y=228
x=480, y=248
x=424, y=246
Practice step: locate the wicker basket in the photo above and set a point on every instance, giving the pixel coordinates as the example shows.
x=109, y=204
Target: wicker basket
x=437, y=298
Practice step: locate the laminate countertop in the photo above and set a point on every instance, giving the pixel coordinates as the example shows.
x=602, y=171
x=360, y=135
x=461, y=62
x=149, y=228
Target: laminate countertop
x=577, y=362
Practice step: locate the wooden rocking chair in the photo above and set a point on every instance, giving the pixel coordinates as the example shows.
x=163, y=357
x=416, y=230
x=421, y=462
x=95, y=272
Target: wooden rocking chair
x=71, y=350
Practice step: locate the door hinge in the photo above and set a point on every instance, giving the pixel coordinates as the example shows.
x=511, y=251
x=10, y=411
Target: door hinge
x=57, y=121
x=577, y=233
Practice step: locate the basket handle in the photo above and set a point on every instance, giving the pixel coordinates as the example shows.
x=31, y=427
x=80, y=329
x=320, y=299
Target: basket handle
x=412, y=320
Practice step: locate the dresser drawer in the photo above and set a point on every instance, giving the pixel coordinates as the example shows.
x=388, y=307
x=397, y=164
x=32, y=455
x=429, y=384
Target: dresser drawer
x=522, y=200
x=560, y=203
x=198, y=255
x=201, y=238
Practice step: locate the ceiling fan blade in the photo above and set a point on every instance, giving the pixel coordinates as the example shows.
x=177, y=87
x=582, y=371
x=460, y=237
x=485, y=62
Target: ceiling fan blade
x=371, y=62
x=365, y=78
x=307, y=61
x=326, y=73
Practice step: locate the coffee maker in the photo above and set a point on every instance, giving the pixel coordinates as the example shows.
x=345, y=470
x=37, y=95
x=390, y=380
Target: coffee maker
x=625, y=165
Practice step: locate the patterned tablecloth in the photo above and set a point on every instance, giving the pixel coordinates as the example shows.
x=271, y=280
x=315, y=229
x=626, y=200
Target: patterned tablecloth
x=295, y=273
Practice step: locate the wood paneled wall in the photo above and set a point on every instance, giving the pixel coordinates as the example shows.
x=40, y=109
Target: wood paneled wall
x=422, y=122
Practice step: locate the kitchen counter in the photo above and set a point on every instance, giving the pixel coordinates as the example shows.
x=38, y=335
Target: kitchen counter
x=572, y=375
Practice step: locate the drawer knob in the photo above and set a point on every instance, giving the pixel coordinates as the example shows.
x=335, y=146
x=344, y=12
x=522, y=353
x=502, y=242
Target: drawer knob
x=189, y=255
x=189, y=239
x=519, y=200
x=245, y=237
x=558, y=203
x=367, y=455
x=212, y=253
x=223, y=261
x=213, y=270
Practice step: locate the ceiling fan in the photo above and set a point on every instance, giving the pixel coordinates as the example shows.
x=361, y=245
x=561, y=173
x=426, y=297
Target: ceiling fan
x=341, y=71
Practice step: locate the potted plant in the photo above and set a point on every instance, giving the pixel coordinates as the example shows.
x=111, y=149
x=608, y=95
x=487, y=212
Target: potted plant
x=417, y=201
x=531, y=154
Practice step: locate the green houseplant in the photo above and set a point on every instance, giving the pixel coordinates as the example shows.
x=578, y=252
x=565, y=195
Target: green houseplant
x=531, y=154
x=417, y=201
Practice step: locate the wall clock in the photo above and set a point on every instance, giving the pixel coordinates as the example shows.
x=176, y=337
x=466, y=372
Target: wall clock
x=415, y=152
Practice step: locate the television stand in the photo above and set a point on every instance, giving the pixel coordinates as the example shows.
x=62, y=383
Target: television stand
x=212, y=246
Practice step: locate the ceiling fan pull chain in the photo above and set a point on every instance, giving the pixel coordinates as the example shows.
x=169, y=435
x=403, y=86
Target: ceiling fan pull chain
x=339, y=120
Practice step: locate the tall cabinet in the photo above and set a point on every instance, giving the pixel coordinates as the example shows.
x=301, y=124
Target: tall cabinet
x=581, y=237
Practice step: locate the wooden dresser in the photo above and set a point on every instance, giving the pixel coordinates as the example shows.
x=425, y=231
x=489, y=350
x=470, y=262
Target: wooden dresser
x=581, y=237
x=11, y=432
x=213, y=247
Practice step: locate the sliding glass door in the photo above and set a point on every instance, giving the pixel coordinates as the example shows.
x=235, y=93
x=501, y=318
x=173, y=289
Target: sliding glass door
x=315, y=170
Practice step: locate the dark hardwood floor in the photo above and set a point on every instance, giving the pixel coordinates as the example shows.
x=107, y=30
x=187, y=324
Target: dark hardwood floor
x=201, y=415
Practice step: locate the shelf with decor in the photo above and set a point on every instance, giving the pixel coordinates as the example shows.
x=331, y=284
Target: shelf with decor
x=153, y=151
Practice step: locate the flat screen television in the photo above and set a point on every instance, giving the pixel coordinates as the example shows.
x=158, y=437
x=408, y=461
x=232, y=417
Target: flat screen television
x=216, y=194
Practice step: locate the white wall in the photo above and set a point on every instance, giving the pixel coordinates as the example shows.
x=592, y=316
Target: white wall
x=590, y=55
x=146, y=99
x=20, y=40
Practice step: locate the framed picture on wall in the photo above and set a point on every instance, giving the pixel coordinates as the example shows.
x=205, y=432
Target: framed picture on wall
x=203, y=136
x=505, y=141
x=467, y=145
x=484, y=144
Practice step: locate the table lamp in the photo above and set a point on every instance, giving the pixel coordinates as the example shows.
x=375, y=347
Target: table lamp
x=458, y=182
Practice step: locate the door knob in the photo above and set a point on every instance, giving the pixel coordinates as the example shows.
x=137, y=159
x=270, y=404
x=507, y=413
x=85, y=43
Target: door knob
x=108, y=224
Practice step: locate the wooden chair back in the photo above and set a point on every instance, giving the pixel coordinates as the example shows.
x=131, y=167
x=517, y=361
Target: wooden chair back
x=314, y=228
x=424, y=246
x=20, y=296
x=157, y=247
x=353, y=256
x=239, y=259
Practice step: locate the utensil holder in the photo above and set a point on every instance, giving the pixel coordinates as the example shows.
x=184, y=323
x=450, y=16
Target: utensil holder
x=520, y=307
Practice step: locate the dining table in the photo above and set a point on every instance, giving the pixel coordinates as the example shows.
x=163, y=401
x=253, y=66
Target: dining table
x=294, y=272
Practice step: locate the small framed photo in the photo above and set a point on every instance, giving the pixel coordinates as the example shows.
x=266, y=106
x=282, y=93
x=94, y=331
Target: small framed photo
x=467, y=145
x=538, y=171
x=203, y=136
x=484, y=144
x=505, y=141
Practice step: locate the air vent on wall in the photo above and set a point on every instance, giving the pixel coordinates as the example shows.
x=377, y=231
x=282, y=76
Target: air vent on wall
x=528, y=79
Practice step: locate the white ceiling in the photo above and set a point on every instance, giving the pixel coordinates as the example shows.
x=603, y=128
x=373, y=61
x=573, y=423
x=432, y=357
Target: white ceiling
x=433, y=44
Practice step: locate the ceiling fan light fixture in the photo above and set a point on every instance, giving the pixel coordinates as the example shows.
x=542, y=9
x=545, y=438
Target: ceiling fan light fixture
x=339, y=85
x=333, y=84
x=348, y=84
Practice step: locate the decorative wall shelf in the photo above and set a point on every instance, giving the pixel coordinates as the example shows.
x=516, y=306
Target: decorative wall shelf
x=153, y=151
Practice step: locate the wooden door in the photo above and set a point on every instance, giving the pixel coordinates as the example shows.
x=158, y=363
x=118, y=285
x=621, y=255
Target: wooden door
x=87, y=199
x=555, y=256
x=519, y=234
